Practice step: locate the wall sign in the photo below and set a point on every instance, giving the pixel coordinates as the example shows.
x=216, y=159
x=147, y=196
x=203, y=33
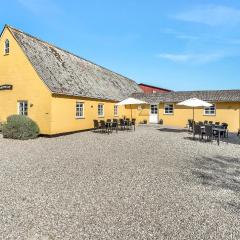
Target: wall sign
x=6, y=87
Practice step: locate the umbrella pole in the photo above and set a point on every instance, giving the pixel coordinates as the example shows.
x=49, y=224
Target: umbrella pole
x=131, y=111
x=193, y=122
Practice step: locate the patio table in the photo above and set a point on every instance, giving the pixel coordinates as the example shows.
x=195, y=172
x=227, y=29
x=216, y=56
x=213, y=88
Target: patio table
x=219, y=130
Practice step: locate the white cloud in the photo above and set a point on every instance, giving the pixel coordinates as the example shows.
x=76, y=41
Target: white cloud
x=213, y=15
x=191, y=58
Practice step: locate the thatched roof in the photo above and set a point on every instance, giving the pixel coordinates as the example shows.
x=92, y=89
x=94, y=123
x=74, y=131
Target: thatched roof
x=68, y=74
x=175, y=97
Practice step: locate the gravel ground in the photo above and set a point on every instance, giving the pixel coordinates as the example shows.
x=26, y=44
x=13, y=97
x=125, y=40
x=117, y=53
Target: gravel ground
x=149, y=184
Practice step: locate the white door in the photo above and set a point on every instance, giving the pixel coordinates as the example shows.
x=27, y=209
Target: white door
x=153, y=114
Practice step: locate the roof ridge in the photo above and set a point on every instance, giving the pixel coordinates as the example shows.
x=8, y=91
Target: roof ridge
x=62, y=49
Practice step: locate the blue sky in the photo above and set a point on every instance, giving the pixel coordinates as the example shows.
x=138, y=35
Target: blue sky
x=181, y=45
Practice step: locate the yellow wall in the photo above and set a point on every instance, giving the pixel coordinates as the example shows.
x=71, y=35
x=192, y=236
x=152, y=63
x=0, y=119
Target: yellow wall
x=15, y=69
x=64, y=113
x=225, y=112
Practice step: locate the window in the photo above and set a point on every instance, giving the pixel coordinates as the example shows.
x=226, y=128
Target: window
x=115, y=110
x=168, y=109
x=6, y=47
x=23, y=108
x=154, y=109
x=100, y=110
x=210, y=110
x=79, y=110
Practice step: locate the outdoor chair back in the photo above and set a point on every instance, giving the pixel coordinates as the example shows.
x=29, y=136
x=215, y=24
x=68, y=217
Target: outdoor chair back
x=205, y=122
x=209, y=132
x=217, y=123
x=197, y=130
x=95, y=124
x=190, y=124
x=201, y=123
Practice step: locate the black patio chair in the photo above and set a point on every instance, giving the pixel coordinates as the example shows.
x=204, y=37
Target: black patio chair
x=114, y=125
x=210, y=122
x=134, y=123
x=217, y=123
x=190, y=124
x=122, y=124
x=102, y=126
x=95, y=125
x=208, y=133
x=197, y=131
x=225, y=126
x=201, y=123
x=205, y=122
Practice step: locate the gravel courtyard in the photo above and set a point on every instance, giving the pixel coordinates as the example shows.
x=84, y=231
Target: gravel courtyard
x=149, y=184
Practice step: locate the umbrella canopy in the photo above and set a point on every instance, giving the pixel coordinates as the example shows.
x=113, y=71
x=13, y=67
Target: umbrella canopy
x=195, y=102
x=131, y=101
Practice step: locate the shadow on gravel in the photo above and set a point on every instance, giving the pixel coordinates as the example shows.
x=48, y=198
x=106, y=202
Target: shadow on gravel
x=172, y=130
x=218, y=172
x=232, y=139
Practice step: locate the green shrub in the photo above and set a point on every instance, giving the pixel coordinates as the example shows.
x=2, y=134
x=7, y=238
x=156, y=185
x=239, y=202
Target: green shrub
x=20, y=127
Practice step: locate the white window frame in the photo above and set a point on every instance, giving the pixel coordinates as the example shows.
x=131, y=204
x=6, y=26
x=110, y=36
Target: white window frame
x=115, y=110
x=6, y=48
x=101, y=115
x=24, y=110
x=165, y=108
x=80, y=108
x=155, y=109
x=207, y=111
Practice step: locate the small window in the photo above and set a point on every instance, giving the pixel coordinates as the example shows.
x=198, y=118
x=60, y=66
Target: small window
x=210, y=110
x=6, y=47
x=154, y=109
x=23, y=108
x=168, y=109
x=100, y=110
x=79, y=110
x=115, y=110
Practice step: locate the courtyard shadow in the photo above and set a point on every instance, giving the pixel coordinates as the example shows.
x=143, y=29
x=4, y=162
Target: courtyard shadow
x=174, y=130
x=219, y=173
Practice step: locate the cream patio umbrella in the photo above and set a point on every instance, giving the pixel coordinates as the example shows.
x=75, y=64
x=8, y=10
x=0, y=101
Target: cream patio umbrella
x=194, y=102
x=131, y=101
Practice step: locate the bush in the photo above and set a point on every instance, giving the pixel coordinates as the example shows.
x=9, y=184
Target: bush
x=20, y=127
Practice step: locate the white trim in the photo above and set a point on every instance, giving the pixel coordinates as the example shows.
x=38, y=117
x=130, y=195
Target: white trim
x=115, y=115
x=164, y=109
x=210, y=114
x=83, y=110
x=102, y=110
x=18, y=107
x=6, y=48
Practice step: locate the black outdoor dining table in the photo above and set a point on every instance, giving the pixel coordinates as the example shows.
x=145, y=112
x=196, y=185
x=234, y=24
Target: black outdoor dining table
x=218, y=130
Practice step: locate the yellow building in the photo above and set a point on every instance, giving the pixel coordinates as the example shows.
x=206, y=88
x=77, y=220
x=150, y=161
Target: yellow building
x=163, y=107
x=65, y=93
x=59, y=90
